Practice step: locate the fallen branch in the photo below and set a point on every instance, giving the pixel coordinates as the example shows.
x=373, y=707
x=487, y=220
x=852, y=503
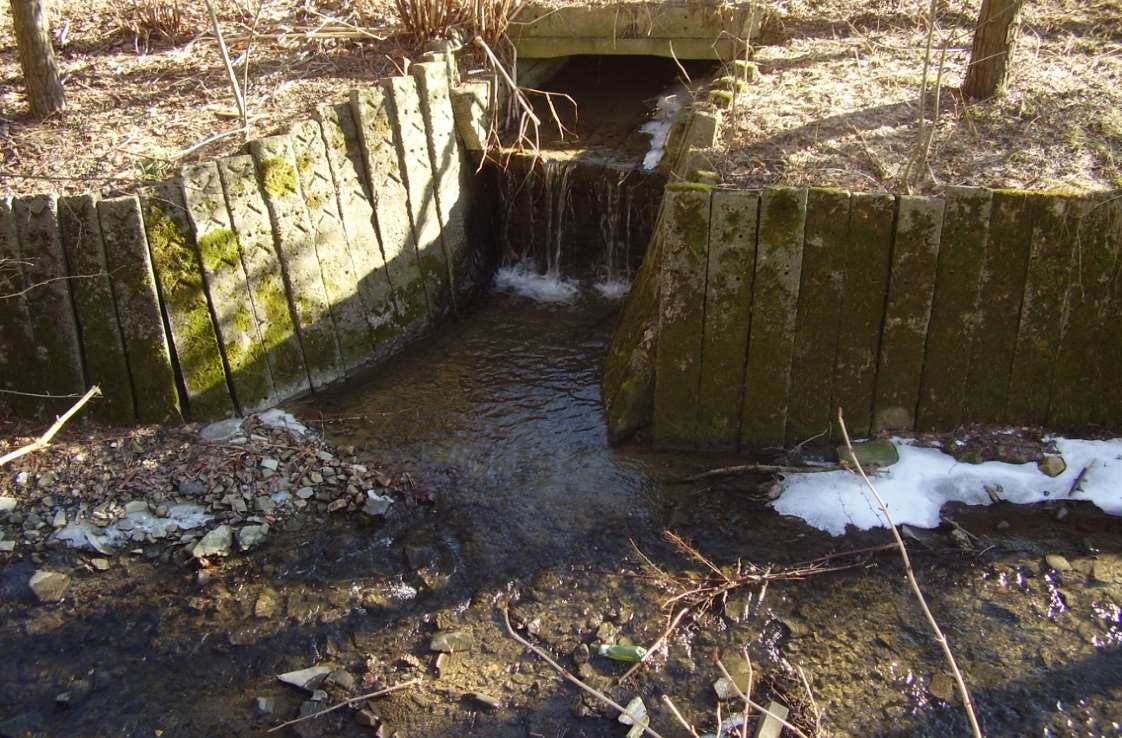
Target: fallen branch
x=233, y=77
x=729, y=471
x=964, y=692
x=344, y=703
x=572, y=679
x=756, y=706
x=657, y=644
x=44, y=440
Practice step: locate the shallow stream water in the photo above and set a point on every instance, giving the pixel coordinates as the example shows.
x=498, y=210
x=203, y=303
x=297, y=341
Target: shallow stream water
x=497, y=420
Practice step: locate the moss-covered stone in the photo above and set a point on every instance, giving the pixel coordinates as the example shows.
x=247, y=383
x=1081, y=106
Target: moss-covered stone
x=915, y=256
x=284, y=373
x=1054, y=245
x=775, y=295
x=295, y=241
x=278, y=177
x=138, y=308
x=955, y=310
x=728, y=304
x=188, y=310
x=685, y=239
x=810, y=408
x=58, y=363
x=103, y=347
x=867, y=257
x=1003, y=284
x=1083, y=384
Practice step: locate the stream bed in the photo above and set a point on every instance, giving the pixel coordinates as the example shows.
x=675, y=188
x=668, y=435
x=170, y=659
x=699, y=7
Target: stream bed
x=496, y=419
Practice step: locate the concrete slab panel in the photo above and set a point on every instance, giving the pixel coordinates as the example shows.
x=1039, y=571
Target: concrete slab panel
x=139, y=311
x=239, y=329
x=103, y=347
x=775, y=299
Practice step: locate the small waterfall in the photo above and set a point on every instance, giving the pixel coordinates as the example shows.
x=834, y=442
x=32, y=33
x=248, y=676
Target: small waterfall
x=572, y=219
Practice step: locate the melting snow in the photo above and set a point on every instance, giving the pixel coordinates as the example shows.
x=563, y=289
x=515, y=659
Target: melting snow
x=277, y=418
x=925, y=479
x=658, y=127
x=137, y=526
x=522, y=280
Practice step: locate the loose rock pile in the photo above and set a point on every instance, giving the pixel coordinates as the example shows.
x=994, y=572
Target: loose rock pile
x=198, y=493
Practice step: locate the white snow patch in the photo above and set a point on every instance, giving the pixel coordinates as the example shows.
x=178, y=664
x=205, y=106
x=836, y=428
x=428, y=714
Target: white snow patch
x=612, y=289
x=658, y=127
x=522, y=280
x=277, y=418
x=925, y=479
x=136, y=526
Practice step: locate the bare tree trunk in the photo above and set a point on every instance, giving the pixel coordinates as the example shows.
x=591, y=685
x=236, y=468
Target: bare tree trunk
x=993, y=45
x=37, y=57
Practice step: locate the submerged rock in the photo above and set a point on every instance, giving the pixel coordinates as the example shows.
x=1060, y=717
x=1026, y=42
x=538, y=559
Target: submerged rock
x=215, y=543
x=49, y=586
x=879, y=452
x=309, y=678
x=455, y=641
x=252, y=535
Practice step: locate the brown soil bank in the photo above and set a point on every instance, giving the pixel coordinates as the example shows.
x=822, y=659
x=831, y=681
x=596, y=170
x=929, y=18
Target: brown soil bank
x=837, y=99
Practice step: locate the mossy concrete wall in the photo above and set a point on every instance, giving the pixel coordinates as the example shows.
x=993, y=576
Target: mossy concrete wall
x=249, y=279
x=769, y=312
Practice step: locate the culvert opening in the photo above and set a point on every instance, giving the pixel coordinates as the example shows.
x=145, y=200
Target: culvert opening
x=584, y=205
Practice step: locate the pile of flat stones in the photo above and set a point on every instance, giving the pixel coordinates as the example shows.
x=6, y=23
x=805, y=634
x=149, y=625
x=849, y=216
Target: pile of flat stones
x=194, y=492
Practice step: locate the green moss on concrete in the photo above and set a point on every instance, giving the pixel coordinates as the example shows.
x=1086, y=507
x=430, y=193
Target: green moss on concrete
x=1054, y=244
x=728, y=303
x=278, y=177
x=134, y=288
x=220, y=249
x=1003, y=282
x=196, y=343
x=821, y=294
x=286, y=360
x=689, y=187
x=775, y=297
x=721, y=98
x=915, y=257
x=955, y=311
x=680, y=318
x=865, y=278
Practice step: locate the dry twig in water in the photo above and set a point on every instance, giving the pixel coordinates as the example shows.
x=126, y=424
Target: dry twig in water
x=964, y=692
x=572, y=679
x=728, y=471
x=344, y=703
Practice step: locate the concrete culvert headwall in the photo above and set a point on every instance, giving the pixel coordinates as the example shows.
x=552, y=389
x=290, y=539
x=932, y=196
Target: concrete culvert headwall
x=252, y=278
x=757, y=314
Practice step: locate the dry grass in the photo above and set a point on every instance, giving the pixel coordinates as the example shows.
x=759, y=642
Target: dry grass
x=141, y=92
x=836, y=102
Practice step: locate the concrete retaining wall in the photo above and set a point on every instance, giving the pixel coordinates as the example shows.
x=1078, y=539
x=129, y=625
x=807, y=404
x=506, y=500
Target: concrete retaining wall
x=756, y=315
x=249, y=279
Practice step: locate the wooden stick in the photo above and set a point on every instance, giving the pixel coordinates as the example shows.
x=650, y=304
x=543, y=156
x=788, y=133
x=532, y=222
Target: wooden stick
x=755, y=705
x=233, y=77
x=44, y=440
x=657, y=644
x=674, y=710
x=572, y=679
x=964, y=692
x=728, y=471
x=352, y=700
